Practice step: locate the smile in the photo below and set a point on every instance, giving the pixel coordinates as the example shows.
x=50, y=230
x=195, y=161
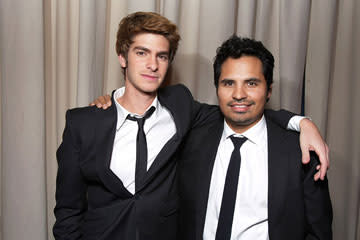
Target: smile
x=240, y=107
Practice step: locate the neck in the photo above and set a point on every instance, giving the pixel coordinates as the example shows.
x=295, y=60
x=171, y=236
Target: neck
x=135, y=101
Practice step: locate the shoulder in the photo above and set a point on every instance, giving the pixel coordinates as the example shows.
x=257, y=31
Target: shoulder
x=287, y=138
x=83, y=117
x=177, y=90
x=80, y=114
x=178, y=99
x=202, y=133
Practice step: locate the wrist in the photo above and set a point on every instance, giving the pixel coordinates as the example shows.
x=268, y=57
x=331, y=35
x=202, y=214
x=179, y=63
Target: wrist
x=306, y=123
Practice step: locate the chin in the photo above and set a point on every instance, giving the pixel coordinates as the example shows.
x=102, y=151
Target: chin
x=150, y=90
x=241, y=122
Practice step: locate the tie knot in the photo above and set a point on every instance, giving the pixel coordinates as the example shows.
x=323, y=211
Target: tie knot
x=238, y=141
x=141, y=120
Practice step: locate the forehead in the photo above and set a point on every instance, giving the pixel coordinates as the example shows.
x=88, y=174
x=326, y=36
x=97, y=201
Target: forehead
x=243, y=67
x=151, y=41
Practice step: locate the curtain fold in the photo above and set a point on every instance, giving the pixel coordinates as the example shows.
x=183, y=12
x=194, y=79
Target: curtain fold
x=115, y=11
x=56, y=55
x=320, y=60
x=343, y=130
x=186, y=57
x=294, y=21
x=216, y=21
x=92, y=19
x=331, y=97
x=23, y=192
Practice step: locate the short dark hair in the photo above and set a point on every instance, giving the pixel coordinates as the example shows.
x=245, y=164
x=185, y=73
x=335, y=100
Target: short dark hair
x=146, y=22
x=236, y=47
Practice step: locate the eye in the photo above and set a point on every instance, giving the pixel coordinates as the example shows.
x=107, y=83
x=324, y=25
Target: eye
x=252, y=83
x=164, y=57
x=140, y=53
x=228, y=83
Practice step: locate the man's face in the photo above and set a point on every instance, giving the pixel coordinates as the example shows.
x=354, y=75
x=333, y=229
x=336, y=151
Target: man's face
x=242, y=92
x=147, y=63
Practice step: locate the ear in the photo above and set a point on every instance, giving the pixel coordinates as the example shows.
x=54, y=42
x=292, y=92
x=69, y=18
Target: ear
x=122, y=61
x=269, y=93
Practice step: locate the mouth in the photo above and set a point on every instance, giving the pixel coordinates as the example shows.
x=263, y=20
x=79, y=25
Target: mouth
x=150, y=77
x=240, y=107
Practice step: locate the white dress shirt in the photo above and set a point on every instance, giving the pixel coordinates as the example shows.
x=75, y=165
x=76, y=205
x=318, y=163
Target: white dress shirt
x=251, y=208
x=158, y=128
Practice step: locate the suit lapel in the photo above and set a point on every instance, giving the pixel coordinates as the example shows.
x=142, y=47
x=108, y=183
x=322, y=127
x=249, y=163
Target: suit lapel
x=170, y=147
x=278, y=173
x=105, y=135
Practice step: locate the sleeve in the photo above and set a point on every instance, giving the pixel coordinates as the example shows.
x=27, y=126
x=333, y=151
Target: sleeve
x=280, y=117
x=294, y=123
x=318, y=209
x=204, y=114
x=71, y=188
x=201, y=113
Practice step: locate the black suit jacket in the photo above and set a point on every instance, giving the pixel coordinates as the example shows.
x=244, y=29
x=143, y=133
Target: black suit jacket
x=298, y=207
x=91, y=201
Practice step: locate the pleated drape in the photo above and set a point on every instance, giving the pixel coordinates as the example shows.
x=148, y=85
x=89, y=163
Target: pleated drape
x=60, y=54
x=23, y=180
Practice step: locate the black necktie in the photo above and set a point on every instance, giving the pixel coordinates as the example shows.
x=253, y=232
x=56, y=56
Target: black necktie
x=223, y=231
x=141, y=148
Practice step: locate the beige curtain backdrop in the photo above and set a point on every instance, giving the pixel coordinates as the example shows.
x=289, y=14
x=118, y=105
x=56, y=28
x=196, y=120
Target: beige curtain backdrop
x=59, y=54
x=332, y=98
x=23, y=181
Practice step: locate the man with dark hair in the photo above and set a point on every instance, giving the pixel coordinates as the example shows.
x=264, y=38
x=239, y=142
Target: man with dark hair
x=240, y=176
x=236, y=47
x=117, y=168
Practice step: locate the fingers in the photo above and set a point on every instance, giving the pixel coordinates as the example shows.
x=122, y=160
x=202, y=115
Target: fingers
x=317, y=176
x=324, y=160
x=105, y=101
x=305, y=154
x=102, y=102
x=327, y=154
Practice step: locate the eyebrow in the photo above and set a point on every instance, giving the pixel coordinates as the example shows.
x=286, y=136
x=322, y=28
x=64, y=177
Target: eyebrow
x=227, y=80
x=246, y=80
x=148, y=50
x=253, y=79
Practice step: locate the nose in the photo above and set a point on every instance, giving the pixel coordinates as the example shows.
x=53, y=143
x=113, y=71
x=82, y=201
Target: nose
x=152, y=63
x=239, y=93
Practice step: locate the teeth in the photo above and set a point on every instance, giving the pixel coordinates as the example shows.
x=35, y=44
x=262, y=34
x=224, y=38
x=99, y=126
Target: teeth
x=240, y=106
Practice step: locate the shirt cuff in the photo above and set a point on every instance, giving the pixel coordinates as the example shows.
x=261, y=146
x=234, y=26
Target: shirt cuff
x=294, y=123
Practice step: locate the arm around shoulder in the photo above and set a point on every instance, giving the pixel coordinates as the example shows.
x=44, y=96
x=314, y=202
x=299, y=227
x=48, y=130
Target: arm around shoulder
x=280, y=117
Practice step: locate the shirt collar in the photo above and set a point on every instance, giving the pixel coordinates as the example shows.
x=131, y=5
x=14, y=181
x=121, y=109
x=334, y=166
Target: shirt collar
x=255, y=134
x=122, y=113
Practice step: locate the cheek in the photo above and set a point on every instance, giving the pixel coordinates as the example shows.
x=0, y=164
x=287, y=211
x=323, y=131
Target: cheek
x=224, y=95
x=164, y=68
x=221, y=100
x=260, y=100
